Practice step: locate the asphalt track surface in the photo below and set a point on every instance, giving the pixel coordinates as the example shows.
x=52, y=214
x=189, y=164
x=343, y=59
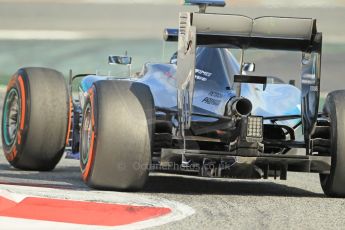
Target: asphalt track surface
x=297, y=203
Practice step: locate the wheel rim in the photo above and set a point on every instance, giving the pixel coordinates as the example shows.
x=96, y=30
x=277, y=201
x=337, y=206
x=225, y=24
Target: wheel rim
x=11, y=116
x=86, y=135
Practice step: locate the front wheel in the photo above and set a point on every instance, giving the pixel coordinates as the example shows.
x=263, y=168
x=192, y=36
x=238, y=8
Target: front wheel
x=116, y=135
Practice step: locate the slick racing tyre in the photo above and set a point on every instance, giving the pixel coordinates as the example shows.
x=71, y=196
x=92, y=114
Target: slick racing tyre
x=333, y=184
x=35, y=118
x=116, y=135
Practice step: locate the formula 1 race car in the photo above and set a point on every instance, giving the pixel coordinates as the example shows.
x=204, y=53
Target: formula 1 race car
x=203, y=113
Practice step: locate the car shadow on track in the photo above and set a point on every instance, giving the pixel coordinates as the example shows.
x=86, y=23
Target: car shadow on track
x=68, y=177
x=195, y=185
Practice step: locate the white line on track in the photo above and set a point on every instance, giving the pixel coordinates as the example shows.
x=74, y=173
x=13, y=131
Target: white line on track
x=116, y=2
x=179, y=211
x=12, y=196
x=81, y=35
x=42, y=35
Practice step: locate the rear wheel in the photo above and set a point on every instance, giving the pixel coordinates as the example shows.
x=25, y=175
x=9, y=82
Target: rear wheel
x=35, y=119
x=116, y=135
x=333, y=184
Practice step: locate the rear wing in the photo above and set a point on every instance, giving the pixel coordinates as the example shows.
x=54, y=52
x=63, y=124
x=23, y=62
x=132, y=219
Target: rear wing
x=238, y=31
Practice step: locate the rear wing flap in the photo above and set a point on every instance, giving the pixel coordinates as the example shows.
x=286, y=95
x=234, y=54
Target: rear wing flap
x=238, y=31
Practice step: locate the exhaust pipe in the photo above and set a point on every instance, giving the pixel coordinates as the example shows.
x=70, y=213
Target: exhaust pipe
x=239, y=106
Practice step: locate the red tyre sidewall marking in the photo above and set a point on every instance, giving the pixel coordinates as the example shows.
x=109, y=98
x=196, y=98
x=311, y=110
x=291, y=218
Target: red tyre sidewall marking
x=23, y=109
x=13, y=153
x=86, y=171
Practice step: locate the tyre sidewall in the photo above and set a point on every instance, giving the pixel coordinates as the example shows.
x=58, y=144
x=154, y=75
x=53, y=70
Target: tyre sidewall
x=87, y=167
x=19, y=82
